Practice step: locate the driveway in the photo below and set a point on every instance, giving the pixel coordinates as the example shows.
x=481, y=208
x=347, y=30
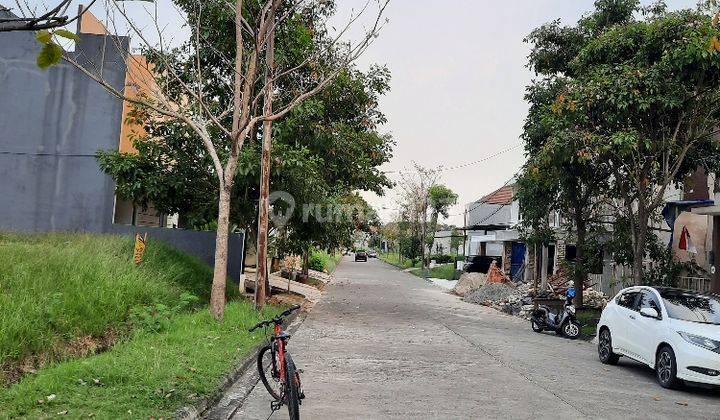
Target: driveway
x=384, y=344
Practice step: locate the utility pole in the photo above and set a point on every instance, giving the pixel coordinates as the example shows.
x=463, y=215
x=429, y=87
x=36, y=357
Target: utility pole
x=465, y=228
x=263, y=204
x=424, y=225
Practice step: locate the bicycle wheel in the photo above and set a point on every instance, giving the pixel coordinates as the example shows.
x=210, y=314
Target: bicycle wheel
x=269, y=372
x=292, y=394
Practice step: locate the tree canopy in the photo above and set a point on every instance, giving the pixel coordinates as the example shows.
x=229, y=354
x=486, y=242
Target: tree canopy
x=627, y=106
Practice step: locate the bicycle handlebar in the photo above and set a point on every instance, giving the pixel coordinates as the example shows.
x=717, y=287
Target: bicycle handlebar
x=277, y=320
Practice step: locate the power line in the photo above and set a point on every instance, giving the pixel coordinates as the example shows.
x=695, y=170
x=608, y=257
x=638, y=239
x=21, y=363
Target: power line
x=443, y=168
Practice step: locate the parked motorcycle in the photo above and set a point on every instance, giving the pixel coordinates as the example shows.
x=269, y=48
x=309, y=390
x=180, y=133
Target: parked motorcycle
x=563, y=323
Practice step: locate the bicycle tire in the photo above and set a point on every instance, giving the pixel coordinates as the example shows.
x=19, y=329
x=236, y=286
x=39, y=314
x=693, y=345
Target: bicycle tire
x=292, y=394
x=264, y=367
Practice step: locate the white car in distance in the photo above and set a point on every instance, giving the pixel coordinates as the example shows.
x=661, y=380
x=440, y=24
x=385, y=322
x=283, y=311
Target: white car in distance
x=675, y=332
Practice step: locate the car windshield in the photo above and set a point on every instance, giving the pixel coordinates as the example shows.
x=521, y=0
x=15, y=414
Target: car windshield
x=694, y=307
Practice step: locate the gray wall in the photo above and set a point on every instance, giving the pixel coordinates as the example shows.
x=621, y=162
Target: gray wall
x=51, y=124
x=488, y=214
x=201, y=244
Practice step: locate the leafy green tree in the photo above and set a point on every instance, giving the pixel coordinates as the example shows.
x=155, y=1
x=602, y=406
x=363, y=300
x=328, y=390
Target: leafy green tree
x=560, y=174
x=322, y=151
x=455, y=241
x=646, y=97
x=630, y=103
x=440, y=199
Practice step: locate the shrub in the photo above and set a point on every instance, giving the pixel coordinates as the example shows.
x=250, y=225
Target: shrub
x=317, y=261
x=443, y=258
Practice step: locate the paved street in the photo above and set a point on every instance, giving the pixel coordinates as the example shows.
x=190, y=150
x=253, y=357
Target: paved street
x=384, y=344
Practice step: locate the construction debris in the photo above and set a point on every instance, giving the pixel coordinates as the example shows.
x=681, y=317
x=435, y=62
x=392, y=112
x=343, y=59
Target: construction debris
x=469, y=282
x=502, y=296
x=495, y=275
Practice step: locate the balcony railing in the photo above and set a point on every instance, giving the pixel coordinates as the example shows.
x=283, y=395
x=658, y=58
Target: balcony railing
x=698, y=284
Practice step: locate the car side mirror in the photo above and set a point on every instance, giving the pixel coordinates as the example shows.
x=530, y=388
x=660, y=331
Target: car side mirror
x=649, y=313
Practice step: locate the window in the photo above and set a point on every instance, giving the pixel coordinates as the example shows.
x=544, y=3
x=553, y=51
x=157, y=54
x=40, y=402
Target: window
x=693, y=307
x=648, y=300
x=627, y=299
x=570, y=252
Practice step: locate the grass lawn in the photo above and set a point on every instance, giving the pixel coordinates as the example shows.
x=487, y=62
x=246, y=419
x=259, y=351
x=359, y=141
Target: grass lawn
x=392, y=258
x=588, y=319
x=56, y=288
x=444, y=271
x=147, y=375
x=65, y=298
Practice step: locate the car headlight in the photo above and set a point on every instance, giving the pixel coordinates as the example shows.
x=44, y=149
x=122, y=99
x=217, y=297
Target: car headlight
x=703, y=342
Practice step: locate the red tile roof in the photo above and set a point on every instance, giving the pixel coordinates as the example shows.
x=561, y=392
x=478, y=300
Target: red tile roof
x=504, y=195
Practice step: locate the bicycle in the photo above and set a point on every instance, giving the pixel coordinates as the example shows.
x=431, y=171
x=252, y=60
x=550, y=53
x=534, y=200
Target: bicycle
x=283, y=383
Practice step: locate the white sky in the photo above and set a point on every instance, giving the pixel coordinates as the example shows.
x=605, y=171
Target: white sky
x=458, y=80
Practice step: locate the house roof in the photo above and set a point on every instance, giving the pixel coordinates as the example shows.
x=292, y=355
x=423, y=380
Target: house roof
x=503, y=195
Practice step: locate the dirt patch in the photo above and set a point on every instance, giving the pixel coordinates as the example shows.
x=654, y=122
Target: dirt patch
x=318, y=284
x=13, y=371
x=287, y=299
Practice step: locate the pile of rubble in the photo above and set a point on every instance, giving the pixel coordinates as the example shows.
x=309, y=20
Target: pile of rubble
x=505, y=297
x=515, y=299
x=469, y=282
x=594, y=299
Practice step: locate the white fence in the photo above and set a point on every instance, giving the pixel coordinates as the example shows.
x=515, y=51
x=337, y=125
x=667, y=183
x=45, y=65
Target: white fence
x=699, y=284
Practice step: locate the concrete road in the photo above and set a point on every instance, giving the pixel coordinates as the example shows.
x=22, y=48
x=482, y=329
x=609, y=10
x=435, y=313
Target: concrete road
x=384, y=344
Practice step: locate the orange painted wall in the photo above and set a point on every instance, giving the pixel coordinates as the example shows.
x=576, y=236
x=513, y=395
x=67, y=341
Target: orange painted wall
x=138, y=80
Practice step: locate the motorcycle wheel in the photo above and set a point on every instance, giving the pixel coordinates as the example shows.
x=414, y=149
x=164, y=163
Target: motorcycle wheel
x=535, y=326
x=571, y=330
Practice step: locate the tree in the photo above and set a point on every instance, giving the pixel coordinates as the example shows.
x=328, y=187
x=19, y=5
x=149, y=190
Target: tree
x=626, y=107
x=220, y=93
x=414, y=202
x=54, y=17
x=646, y=97
x=455, y=241
x=440, y=199
x=323, y=151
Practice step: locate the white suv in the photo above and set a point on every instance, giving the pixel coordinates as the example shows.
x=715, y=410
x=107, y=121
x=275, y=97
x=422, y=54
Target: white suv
x=676, y=332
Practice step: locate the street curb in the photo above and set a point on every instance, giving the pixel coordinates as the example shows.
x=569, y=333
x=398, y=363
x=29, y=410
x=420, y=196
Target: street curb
x=204, y=404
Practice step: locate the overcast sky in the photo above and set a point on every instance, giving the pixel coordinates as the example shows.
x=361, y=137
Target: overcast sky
x=459, y=75
x=458, y=79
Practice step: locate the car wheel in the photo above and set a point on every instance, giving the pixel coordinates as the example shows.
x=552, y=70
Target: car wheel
x=666, y=368
x=536, y=327
x=605, y=351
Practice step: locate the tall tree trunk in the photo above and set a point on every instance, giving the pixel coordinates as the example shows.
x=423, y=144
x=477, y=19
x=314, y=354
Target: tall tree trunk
x=641, y=231
x=306, y=262
x=217, y=294
x=263, y=205
x=580, y=269
x=433, y=223
x=263, y=209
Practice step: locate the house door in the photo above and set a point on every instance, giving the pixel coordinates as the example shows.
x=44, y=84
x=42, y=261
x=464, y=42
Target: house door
x=517, y=258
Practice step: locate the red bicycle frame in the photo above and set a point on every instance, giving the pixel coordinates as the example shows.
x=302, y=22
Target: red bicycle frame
x=280, y=351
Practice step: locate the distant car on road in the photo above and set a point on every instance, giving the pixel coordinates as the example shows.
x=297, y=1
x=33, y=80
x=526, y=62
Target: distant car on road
x=373, y=254
x=361, y=256
x=674, y=331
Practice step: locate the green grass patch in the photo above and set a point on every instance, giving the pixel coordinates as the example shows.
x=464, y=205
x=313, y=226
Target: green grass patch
x=394, y=259
x=55, y=288
x=444, y=271
x=588, y=319
x=321, y=260
x=147, y=375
